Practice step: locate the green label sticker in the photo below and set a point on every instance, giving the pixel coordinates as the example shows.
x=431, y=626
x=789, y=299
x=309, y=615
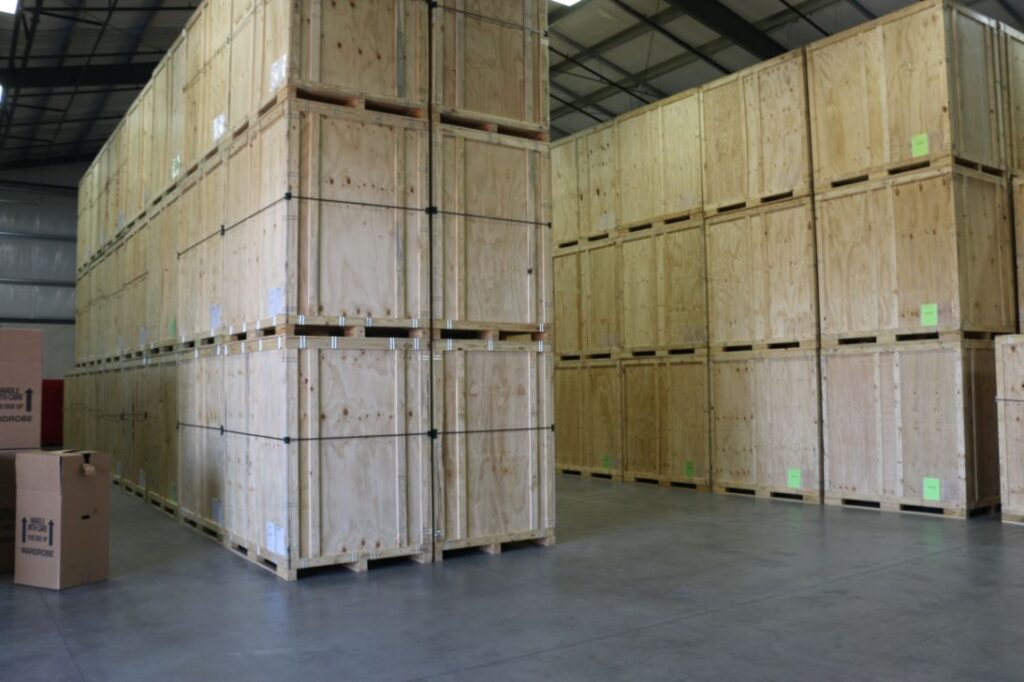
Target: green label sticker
x=919, y=145
x=172, y=327
x=606, y=461
x=688, y=468
x=174, y=492
x=929, y=314
x=932, y=490
x=794, y=478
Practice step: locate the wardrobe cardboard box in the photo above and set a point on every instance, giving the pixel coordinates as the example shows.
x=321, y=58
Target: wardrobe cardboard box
x=62, y=519
x=21, y=388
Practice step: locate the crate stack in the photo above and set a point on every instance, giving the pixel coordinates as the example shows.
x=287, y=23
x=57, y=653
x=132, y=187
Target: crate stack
x=631, y=307
x=762, y=302
x=859, y=262
x=314, y=294
x=915, y=257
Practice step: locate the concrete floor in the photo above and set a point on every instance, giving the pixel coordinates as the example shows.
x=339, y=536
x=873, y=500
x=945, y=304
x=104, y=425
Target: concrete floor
x=646, y=583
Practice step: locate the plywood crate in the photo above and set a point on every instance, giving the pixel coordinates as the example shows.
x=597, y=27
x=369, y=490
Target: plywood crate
x=302, y=453
x=1010, y=413
x=762, y=276
x=565, y=193
x=568, y=297
x=1011, y=53
x=597, y=179
x=1017, y=197
x=497, y=459
x=766, y=424
x=756, y=135
x=918, y=253
x=588, y=417
x=906, y=90
x=292, y=219
x=666, y=430
x=600, y=275
x=658, y=161
x=492, y=64
x=493, y=232
x=664, y=299
x=911, y=426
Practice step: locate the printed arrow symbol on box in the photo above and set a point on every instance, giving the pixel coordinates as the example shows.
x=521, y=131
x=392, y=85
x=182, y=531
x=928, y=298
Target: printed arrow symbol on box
x=51, y=533
x=28, y=399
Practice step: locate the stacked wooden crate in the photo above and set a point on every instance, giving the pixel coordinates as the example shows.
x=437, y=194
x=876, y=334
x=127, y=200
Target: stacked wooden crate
x=345, y=259
x=762, y=302
x=915, y=257
x=631, y=337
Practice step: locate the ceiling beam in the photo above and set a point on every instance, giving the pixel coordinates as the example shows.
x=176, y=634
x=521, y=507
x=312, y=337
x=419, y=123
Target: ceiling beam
x=617, y=39
x=679, y=61
x=66, y=76
x=583, y=50
x=731, y=25
x=655, y=26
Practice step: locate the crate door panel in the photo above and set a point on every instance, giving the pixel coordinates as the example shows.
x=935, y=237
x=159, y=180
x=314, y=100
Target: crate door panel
x=367, y=162
x=500, y=474
x=641, y=397
x=362, y=480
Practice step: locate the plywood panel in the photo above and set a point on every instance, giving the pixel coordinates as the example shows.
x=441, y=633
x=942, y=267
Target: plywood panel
x=598, y=185
x=602, y=417
x=600, y=277
x=565, y=193
x=568, y=293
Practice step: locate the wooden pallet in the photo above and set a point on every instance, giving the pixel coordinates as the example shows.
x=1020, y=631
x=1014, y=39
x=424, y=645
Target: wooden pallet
x=667, y=481
x=907, y=335
x=912, y=507
x=763, y=346
x=495, y=544
x=769, y=494
x=589, y=472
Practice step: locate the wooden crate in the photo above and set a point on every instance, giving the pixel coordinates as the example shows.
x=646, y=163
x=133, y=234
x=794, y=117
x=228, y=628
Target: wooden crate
x=568, y=293
x=496, y=448
x=294, y=215
x=600, y=267
x=756, y=135
x=911, y=426
x=588, y=418
x=658, y=161
x=491, y=61
x=919, y=253
x=666, y=429
x=1017, y=197
x=664, y=299
x=1011, y=52
x=762, y=275
x=330, y=466
x=903, y=91
x=493, y=235
x=1010, y=409
x=766, y=425
x=597, y=179
x=565, y=193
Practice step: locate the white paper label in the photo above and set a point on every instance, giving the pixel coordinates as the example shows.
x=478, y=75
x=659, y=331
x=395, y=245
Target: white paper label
x=120, y=219
x=220, y=126
x=142, y=478
x=217, y=511
x=606, y=221
x=271, y=540
x=278, y=72
x=275, y=301
x=142, y=336
x=279, y=543
x=176, y=166
x=214, y=318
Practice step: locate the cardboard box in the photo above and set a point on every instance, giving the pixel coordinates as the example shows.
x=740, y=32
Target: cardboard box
x=6, y=512
x=21, y=388
x=62, y=524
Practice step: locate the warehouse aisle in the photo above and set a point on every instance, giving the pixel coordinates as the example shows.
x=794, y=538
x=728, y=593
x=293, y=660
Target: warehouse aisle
x=647, y=583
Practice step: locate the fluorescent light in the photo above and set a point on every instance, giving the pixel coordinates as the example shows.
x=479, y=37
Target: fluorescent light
x=9, y=6
x=567, y=3
x=1, y=94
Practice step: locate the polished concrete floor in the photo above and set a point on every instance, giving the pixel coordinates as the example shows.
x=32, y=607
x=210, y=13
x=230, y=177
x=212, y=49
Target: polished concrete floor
x=646, y=583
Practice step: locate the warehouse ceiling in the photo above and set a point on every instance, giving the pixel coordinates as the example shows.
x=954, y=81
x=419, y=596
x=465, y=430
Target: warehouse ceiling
x=71, y=68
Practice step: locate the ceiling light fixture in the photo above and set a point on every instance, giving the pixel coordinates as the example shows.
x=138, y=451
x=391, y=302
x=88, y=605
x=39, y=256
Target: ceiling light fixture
x=9, y=6
x=567, y=3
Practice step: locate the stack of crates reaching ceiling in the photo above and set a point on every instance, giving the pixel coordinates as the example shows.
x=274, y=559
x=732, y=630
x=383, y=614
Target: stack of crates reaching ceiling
x=314, y=281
